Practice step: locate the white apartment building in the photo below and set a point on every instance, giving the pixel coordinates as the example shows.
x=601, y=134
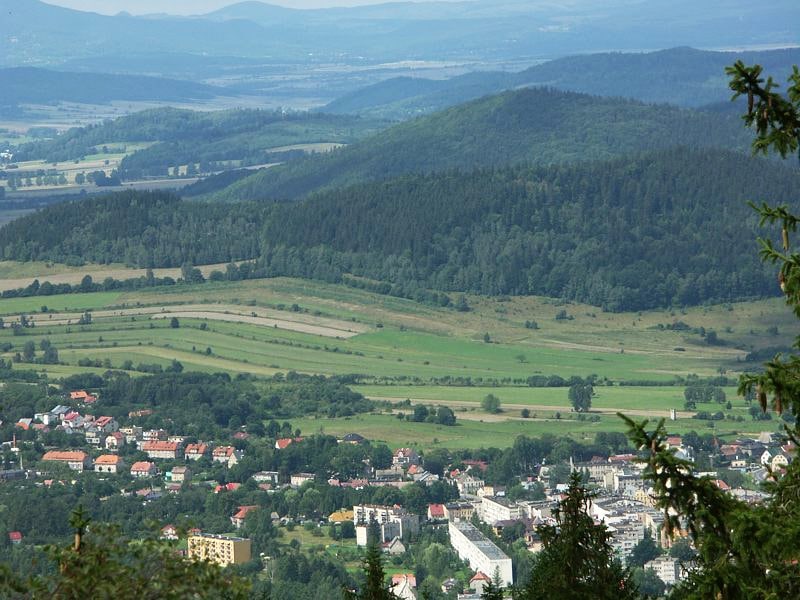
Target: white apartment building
x=481, y=553
x=496, y=508
x=391, y=521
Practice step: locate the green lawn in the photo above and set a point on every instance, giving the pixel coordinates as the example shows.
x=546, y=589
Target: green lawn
x=499, y=434
x=623, y=397
x=69, y=302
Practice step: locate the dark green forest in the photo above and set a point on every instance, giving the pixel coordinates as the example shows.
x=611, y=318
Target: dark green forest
x=632, y=233
x=539, y=125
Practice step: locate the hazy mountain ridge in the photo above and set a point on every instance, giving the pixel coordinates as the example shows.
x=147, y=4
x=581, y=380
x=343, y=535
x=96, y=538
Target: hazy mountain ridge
x=36, y=33
x=29, y=85
x=681, y=76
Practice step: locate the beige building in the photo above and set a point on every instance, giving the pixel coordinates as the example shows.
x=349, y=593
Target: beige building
x=109, y=463
x=77, y=460
x=219, y=549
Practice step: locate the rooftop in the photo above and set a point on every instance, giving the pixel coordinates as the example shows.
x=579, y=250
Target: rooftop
x=480, y=541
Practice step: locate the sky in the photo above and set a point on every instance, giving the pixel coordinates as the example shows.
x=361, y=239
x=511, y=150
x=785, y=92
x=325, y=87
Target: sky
x=192, y=7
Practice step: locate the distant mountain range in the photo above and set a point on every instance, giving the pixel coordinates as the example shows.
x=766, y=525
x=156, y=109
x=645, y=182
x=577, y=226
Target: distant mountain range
x=35, y=33
x=533, y=125
x=28, y=85
x=681, y=76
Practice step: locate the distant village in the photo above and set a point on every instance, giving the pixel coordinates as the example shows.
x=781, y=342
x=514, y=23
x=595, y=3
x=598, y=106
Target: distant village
x=167, y=463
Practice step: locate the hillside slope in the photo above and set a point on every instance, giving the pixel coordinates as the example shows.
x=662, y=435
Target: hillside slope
x=654, y=230
x=537, y=125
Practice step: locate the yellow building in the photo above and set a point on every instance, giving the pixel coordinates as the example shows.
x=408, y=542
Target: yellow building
x=219, y=549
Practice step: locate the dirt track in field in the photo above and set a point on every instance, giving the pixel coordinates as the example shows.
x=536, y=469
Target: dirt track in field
x=299, y=322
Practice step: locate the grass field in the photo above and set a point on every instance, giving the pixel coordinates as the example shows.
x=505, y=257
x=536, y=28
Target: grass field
x=405, y=349
x=497, y=433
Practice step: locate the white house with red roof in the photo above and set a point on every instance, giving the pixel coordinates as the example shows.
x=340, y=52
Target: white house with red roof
x=109, y=463
x=226, y=454
x=283, y=443
x=143, y=469
x=82, y=396
x=403, y=586
x=161, y=450
x=479, y=581
x=75, y=460
x=115, y=441
x=195, y=451
x=436, y=512
x=241, y=514
x=15, y=537
x=106, y=424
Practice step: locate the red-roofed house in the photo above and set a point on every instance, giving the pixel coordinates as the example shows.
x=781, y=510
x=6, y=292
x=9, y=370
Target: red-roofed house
x=479, y=581
x=282, y=443
x=403, y=585
x=228, y=487
x=106, y=424
x=169, y=532
x=76, y=460
x=241, y=514
x=15, y=537
x=82, y=396
x=195, y=451
x=159, y=449
x=109, y=463
x=436, y=511
x=143, y=469
x=115, y=441
x=226, y=454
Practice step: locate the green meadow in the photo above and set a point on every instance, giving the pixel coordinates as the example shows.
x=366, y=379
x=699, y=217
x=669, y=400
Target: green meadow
x=402, y=349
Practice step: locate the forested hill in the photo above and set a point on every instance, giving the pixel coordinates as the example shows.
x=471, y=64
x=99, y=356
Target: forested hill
x=650, y=231
x=541, y=126
x=137, y=228
x=182, y=137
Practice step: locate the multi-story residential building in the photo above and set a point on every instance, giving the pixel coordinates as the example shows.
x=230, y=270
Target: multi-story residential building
x=180, y=475
x=454, y=511
x=154, y=434
x=160, y=449
x=196, y=451
x=75, y=460
x=667, y=568
x=226, y=454
x=468, y=485
x=391, y=522
x=219, y=549
x=405, y=457
x=115, y=441
x=299, y=479
x=132, y=434
x=480, y=552
x=497, y=508
x=241, y=514
x=106, y=424
x=143, y=469
x=266, y=477
x=109, y=463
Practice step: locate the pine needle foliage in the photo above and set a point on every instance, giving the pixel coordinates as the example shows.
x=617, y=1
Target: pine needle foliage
x=745, y=551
